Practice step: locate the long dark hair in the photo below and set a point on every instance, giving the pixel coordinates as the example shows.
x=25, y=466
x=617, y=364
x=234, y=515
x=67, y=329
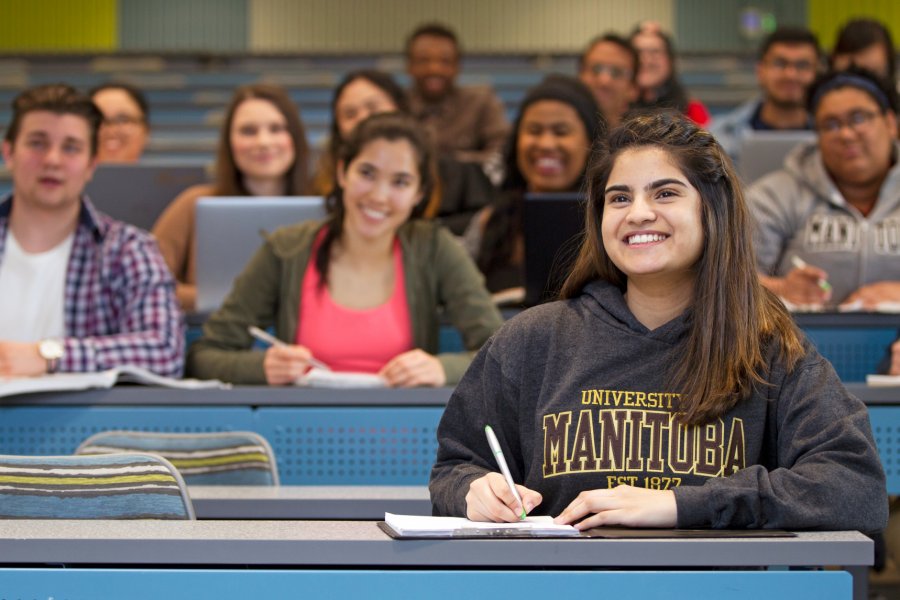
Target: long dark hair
x=670, y=94
x=229, y=179
x=382, y=126
x=733, y=315
x=505, y=224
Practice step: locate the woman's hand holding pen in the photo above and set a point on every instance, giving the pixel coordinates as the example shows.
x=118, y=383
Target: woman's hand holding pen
x=803, y=285
x=283, y=364
x=622, y=505
x=490, y=499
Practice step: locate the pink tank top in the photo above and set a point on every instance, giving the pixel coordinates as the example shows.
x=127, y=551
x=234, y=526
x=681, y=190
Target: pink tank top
x=346, y=339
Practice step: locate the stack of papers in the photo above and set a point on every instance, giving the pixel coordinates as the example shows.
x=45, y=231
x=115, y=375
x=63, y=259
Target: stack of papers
x=418, y=526
x=59, y=382
x=317, y=377
x=882, y=380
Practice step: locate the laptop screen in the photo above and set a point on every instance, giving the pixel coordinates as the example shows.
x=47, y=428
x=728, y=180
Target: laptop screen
x=764, y=151
x=231, y=229
x=138, y=194
x=553, y=229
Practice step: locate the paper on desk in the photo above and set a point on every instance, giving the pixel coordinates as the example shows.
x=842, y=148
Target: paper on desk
x=59, y=382
x=883, y=380
x=413, y=525
x=317, y=377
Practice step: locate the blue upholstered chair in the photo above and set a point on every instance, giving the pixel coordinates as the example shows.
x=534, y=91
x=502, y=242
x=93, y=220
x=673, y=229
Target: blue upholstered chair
x=228, y=458
x=108, y=486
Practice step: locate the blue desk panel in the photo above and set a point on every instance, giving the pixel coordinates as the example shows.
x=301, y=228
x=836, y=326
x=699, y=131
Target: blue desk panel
x=351, y=445
x=152, y=584
x=314, y=445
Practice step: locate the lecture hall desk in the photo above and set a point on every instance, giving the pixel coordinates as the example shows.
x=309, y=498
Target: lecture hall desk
x=334, y=559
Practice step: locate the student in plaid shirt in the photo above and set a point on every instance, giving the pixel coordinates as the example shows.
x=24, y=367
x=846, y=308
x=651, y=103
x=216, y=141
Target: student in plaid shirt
x=79, y=291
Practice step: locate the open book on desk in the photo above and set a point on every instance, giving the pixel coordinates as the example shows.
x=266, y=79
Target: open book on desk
x=325, y=378
x=408, y=527
x=61, y=382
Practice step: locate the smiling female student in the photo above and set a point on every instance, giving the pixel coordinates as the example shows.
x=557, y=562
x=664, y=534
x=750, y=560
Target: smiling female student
x=547, y=153
x=668, y=387
x=361, y=291
x=262, y=151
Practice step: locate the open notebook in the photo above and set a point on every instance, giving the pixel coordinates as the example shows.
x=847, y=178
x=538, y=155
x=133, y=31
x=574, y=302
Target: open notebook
x=59, y=382
x=413, y=526
x=409, y=527
x=317, y=377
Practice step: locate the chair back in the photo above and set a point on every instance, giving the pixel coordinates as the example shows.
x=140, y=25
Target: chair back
x=227, y=458
x=108, y=486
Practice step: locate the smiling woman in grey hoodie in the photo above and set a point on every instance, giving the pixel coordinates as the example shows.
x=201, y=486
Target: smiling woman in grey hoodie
x=668, y=387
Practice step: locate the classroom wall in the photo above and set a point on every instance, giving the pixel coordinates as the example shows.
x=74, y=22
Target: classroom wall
x=380, y=26
x=58, y=25
x=827, y=16
x=561, y=26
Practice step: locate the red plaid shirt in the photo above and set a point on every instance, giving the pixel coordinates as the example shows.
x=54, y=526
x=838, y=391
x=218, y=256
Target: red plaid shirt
x=120, y=305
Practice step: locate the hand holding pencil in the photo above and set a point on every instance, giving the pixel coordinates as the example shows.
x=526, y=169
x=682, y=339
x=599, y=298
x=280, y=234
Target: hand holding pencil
x=806, y=284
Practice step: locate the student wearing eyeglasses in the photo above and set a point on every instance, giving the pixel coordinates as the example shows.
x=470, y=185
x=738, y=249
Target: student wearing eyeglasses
x=126, y=126
x=832, y=214
x=788, y=62
x=609, y=69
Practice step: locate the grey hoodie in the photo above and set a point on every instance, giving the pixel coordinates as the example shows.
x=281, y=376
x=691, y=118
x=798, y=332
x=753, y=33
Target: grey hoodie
x=799, y=211
x=566, y=386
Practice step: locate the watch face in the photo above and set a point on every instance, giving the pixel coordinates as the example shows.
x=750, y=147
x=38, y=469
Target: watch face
x=51, y=349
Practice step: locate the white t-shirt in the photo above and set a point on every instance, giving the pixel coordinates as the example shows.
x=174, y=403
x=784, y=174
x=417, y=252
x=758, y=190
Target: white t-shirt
x=32, y=291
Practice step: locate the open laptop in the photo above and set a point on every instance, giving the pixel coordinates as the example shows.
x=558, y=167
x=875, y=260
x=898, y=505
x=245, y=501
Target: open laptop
x=763, y=152
x=553, y=225
x=138, y=194
x=230, y=229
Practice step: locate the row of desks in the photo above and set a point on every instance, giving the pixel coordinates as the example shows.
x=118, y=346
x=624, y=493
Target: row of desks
x=324, y=557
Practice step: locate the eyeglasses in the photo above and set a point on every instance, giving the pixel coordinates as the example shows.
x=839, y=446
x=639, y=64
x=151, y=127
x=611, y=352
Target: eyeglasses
x=856, y=120
x=801, y=66
x=613, y=71
x=122, y=120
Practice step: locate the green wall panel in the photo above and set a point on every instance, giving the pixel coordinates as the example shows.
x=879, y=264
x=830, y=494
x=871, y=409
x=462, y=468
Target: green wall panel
x=716, y=25
x=180, y=25
x=57, y=25
x=827, y=16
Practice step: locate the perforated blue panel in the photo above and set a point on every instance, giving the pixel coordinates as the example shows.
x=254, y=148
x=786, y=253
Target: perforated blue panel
x=854, y=352
x=886, y=428
x=59, y=429
x=351, y=445
x=228, y=584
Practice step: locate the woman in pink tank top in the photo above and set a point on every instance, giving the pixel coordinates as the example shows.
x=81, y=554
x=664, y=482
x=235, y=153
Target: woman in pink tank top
x=365, y=290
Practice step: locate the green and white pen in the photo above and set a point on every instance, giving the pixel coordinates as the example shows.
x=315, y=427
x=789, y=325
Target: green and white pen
x=802, y=264
x=504, y=468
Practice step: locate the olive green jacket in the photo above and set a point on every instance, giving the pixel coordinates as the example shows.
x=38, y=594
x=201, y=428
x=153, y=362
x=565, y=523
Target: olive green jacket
x=439, y=275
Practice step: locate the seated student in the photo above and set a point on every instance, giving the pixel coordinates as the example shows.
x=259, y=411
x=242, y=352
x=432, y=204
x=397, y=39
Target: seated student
x=866, y=43
x=468, y=123
x=658, y=84
x=460, y=190
x=667, y=388
x=548, y=152
x=262, y=152
x=79, y=291
x=836, y=203
x=362, y=291
x=609, y=67
x=787, y=63
x=126, y=122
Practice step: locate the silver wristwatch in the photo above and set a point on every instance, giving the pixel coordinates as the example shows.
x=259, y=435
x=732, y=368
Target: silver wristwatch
x=51, y=350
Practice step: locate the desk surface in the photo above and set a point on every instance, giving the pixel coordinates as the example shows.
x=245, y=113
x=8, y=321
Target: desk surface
x=308, y=502
x=361, y=543
x=142, y=395
x=139, y=395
